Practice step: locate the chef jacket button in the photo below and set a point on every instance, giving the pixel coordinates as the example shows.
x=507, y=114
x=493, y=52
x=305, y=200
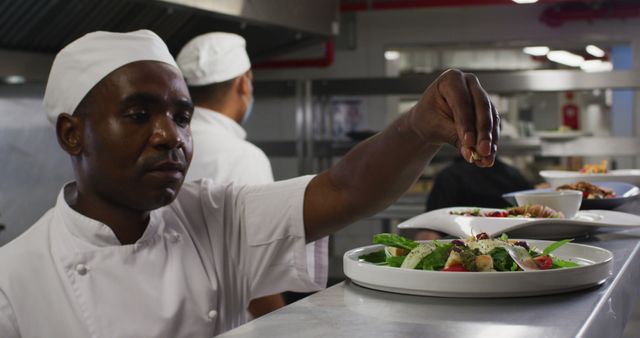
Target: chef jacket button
x=212, y=314
x=81, y=269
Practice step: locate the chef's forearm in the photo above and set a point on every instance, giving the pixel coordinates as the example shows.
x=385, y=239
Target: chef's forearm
x=366, y=180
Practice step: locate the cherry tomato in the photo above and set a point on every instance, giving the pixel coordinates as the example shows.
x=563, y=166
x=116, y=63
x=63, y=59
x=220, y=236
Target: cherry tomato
x=455, y=268
x=544, y=262
x=503, y=213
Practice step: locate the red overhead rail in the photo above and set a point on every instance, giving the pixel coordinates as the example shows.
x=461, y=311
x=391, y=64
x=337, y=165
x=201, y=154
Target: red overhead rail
x=555, y=16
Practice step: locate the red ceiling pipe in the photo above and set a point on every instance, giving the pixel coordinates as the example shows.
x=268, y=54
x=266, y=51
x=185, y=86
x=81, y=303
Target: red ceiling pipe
x=406, y=4
x=558, y=15
x=325, y=61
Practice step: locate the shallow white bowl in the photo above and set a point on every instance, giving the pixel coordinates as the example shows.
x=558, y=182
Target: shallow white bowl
x=559, y=177
x=566, y=201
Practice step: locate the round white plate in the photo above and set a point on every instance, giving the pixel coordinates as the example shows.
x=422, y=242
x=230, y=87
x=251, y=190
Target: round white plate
x=559, y=135
x=583, y=223
x=559, y=177
x=596, y=267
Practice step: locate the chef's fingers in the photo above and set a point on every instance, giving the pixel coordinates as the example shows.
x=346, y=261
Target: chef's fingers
x=495, y=135
x=488, y=161
x=483, y=116
x=453, y=89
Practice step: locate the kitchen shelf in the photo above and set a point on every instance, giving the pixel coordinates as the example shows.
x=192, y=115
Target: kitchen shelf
x=314, y=154
x=493, y=82
x=581, y=146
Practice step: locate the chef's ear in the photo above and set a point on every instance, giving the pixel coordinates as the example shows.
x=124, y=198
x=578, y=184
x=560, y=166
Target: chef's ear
x=69, y=133
x=245, y=87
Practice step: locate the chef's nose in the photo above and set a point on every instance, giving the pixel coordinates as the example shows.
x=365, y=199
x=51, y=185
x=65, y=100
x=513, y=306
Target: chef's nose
x=166, y=133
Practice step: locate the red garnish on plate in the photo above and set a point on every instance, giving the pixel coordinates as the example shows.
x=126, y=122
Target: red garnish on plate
x=455, y=268
x=544, y=262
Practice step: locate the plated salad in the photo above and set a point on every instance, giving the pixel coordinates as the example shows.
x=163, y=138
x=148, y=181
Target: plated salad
x=524, y=211
x=475, y=254
x=597, y=168
x=589, y=191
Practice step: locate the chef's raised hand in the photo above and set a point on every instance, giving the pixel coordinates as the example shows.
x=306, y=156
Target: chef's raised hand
x=455, y=109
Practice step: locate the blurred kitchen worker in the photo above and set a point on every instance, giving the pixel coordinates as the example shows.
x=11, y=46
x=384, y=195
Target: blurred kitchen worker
x=129, y=250
x=217, y=70
x=465, y=184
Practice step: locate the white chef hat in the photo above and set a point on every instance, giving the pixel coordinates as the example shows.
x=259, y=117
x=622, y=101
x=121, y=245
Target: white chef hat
x=80, y=65
x=213, y=57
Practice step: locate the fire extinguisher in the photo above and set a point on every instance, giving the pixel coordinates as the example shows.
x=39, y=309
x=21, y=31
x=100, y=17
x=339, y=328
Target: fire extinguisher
x=570, y=113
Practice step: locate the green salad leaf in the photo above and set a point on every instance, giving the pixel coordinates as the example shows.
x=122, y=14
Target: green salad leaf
x=394, y=241
x=395, y=261
x=554, y=246
x=560, y=263
x=436, y=259
x=376, y=257
x=501, y=259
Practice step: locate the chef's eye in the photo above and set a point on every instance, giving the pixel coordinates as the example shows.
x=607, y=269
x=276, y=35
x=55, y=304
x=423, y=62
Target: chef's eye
x=138, y=115
x=182, y=119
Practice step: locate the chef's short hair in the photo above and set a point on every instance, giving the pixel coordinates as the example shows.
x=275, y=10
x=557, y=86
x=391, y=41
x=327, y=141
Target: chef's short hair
x=213, y=91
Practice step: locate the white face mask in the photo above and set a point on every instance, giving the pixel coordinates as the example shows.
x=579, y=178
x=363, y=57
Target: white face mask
x=247, y=113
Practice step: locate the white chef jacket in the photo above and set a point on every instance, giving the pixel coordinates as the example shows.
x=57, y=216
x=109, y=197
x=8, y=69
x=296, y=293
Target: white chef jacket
x=222, y=153
x=191, y=274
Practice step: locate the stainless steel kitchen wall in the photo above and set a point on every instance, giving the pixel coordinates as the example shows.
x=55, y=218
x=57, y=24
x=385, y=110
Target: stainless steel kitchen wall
x=33, y=167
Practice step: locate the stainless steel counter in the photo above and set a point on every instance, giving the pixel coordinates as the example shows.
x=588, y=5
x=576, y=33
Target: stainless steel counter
x=348, y=310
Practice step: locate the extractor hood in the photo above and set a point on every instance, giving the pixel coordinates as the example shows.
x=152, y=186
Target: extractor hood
x=271, y=27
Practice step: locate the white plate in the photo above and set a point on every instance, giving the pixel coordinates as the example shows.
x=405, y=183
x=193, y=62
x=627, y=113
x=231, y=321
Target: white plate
x=559, y=177
x=559, y=135
x=625, y=192
x=596, y=267
x=547, y=228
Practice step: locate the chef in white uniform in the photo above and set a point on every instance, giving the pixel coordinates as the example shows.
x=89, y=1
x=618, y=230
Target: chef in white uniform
x=130, y=251
x=217, y=70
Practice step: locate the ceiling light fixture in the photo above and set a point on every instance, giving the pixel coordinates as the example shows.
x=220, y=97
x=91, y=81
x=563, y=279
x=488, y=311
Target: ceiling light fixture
x=536, y=50
x=595, y=51
x=391, y=55
x=522, y=2
x=565, y=58
x=14, y=79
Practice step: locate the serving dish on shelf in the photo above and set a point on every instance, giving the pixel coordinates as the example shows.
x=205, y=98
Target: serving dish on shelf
x=462, y=226
x=624, y=192
x=559, y=177
x=559, y=135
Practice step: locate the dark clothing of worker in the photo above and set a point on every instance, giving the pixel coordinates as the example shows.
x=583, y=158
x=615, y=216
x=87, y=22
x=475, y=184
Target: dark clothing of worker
x=465, y=184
